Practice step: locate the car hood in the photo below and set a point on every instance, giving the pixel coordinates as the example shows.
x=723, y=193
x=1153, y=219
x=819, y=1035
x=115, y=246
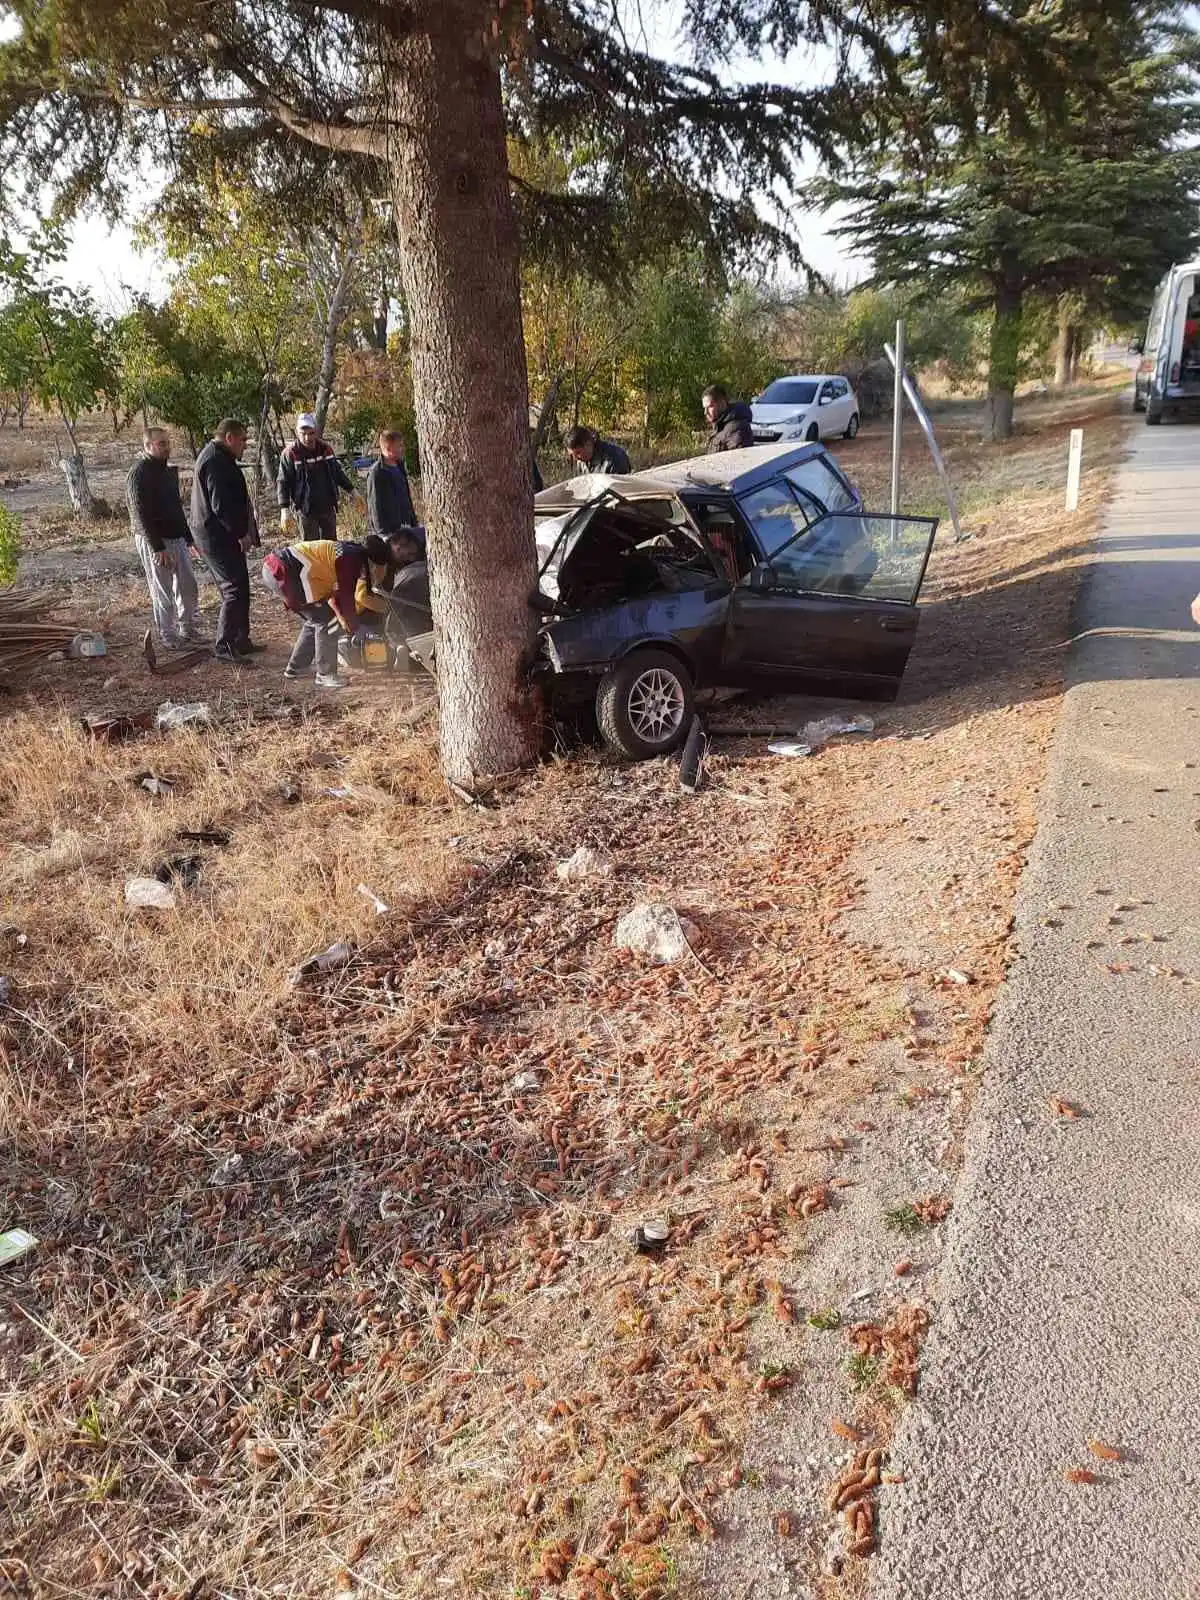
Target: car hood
x=771, y=416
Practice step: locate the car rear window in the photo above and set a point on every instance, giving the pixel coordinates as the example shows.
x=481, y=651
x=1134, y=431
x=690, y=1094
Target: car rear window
x=788, y=392
x=819, y=479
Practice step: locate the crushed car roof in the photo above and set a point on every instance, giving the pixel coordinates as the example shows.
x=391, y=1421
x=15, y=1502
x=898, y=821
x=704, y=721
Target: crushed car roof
x=731, y=469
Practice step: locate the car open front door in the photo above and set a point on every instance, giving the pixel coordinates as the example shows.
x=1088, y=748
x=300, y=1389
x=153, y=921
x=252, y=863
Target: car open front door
x=838, y=603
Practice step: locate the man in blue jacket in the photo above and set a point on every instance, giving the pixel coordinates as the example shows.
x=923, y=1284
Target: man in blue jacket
x=311, y=479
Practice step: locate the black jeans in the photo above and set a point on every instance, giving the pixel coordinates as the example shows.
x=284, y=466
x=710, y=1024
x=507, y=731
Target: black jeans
x=228, y=566
x=318, y=524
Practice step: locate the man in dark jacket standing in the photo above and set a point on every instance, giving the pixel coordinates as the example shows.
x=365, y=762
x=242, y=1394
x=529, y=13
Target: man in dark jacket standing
x=310, y=478
x=163, y=541
x=224, y=528
x=729, y=421
x=591, y=453
x=389, y=497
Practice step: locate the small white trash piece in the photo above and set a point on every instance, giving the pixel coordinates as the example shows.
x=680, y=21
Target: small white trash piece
x=148, y=894
x=14, y=1244
x=172, y=715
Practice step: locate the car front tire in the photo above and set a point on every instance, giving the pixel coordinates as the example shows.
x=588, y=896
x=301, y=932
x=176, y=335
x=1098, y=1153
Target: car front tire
x=813, y=434
x=851, y=427
x=645, y=705
x=1154, y=414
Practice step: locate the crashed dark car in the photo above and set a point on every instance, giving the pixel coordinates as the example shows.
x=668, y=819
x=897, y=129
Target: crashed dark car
x=759, y=568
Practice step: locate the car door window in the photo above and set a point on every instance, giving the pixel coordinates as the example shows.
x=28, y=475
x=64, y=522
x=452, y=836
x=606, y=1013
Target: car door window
x=827, y=392
x=868, y=555
x=775, y=515
x=817, y=478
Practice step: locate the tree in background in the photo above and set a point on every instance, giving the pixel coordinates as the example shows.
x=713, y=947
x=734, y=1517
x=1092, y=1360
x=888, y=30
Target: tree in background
x=66, y=342
x=1088, y=210
x=419, y=102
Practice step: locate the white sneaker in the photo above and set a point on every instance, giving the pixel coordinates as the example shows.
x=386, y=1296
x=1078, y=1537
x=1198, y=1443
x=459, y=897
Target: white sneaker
x=327, y=681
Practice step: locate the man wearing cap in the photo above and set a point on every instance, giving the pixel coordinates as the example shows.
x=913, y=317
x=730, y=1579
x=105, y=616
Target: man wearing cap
x=310, y=480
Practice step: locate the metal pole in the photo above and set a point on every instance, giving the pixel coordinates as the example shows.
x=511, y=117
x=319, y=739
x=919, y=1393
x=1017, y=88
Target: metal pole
x=897, y=417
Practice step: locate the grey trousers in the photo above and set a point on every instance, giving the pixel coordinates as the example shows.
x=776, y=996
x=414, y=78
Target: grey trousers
x=174, y=598
x=315, y=641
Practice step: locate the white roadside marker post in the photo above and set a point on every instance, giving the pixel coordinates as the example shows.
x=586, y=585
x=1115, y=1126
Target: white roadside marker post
x=1074, y=469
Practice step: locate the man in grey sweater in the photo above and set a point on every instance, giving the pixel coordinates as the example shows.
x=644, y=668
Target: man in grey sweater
x=163, y=541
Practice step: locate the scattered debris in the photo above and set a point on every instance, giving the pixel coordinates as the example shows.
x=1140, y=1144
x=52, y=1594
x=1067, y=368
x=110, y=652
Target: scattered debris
x=203, y=836
x=381, y=907
x=656, y=930
x=338, y=955
x=85, y=645
x=790, y=747
x=956, y=976
x=289, y=793
x=28, y=630
x=149, y=894
x=227, y=1171
x=153, y=784
x=526, y=1082
x=15, y=1243
x=819, y=732
x=586, y=862
x=843, y=1430
x=691, y=762
x=1066, y=1109
x=1081, y=1475
x=181, y=870
x=113, y=726
x=186, y=713
x=5, y=989
x=650, y=1237
x=179, y=662
x=11, y=934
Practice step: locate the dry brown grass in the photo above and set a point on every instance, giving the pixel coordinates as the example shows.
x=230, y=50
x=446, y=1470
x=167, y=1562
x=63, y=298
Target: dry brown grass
x=402, y=1342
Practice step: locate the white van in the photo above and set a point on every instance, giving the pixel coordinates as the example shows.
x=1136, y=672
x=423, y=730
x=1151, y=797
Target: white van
x=1168, y=375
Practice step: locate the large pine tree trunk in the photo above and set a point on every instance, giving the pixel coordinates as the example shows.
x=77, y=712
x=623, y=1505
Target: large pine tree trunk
x=459, y=259
x=1003, y=357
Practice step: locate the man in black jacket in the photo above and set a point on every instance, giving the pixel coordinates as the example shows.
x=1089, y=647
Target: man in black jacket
x=224, y=528
x=591, y=453
x=389, y=497
x=163, y=541
x=729, y=421
x=310, y=478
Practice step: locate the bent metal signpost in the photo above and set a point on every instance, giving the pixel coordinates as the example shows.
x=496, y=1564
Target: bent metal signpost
x=923, y=417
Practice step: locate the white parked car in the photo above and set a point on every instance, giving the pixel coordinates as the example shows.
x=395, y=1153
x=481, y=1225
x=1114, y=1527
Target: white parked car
x=805, y=407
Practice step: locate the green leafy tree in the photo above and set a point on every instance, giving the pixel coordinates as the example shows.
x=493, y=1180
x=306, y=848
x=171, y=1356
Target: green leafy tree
x=179, y=369
x=417, y=102
x=1095, y=206
x=71, y=367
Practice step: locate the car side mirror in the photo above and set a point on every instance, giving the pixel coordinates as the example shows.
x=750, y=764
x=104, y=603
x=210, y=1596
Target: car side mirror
x=762, y=579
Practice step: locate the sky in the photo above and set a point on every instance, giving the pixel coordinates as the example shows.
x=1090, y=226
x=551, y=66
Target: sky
x=106, y=260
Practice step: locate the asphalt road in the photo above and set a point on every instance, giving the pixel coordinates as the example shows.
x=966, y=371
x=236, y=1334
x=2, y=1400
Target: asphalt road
x=1069, y=1307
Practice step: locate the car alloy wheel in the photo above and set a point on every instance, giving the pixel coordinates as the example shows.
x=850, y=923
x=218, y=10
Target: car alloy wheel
x=656, y=706
x=645, y=704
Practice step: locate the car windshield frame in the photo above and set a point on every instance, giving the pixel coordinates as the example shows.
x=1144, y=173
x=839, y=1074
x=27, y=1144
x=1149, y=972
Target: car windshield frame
x=812, y=385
